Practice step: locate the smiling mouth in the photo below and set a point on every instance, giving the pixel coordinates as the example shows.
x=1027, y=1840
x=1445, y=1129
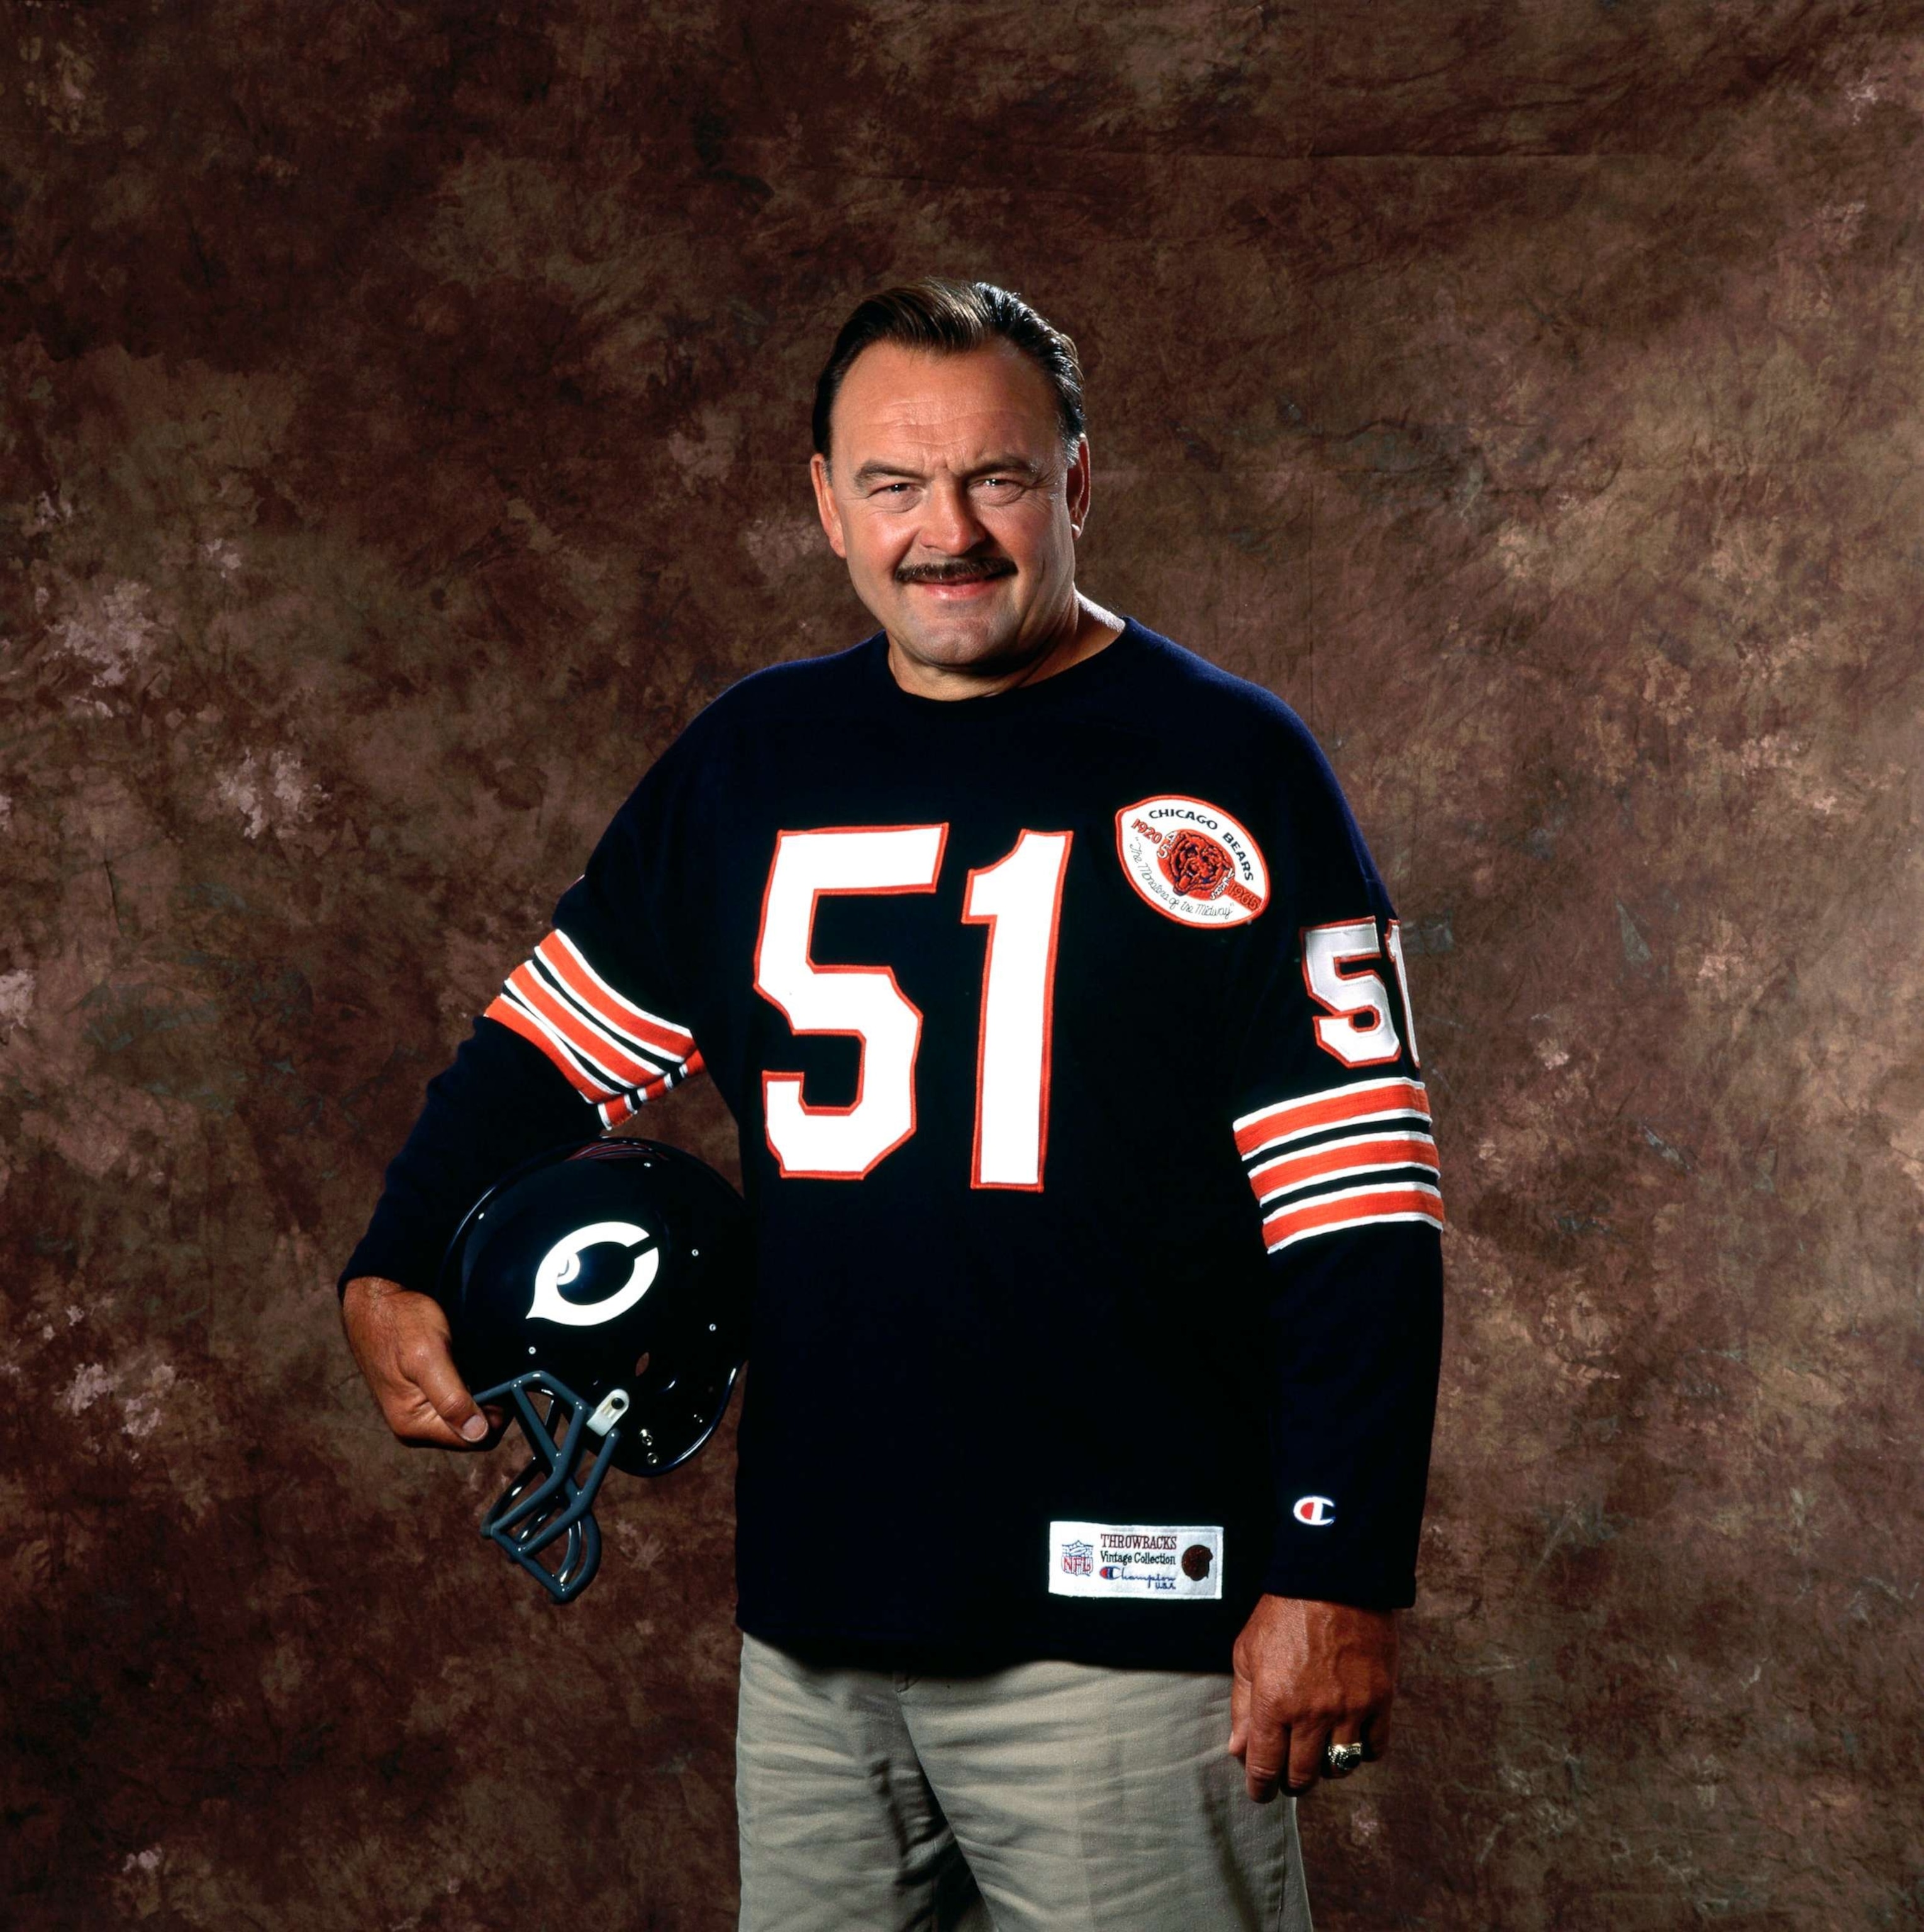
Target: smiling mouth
x=954, y=578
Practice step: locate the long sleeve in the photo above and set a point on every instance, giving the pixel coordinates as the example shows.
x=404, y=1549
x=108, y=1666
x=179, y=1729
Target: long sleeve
x=498, y=1103
x=1332, y=1123
x=576, y=1040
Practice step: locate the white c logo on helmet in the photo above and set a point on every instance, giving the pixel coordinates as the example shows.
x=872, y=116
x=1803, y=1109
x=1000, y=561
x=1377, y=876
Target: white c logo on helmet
x=1316, y=1511
x=562, y=1264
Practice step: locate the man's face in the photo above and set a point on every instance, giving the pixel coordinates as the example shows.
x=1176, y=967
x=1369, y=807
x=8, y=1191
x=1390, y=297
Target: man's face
x=950, y=497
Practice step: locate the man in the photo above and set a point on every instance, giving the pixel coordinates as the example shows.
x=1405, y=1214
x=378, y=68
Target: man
x=1096, y=1331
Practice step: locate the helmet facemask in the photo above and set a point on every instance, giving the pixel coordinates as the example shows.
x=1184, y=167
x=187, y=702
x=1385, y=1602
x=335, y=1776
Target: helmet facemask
x=548, y=1500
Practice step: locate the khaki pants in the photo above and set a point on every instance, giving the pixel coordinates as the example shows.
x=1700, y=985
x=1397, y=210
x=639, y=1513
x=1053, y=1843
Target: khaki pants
x=1045, y=1797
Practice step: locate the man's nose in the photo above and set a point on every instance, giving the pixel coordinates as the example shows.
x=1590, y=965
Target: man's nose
x=949, y=522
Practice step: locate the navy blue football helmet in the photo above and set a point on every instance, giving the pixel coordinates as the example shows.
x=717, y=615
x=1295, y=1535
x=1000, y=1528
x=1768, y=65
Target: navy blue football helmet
x=602, y=1291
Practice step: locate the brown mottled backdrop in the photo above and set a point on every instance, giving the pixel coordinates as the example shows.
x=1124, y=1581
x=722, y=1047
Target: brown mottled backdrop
x=403, y=434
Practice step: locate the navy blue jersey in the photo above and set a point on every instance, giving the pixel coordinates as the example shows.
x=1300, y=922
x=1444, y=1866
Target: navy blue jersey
x=1082, y=1125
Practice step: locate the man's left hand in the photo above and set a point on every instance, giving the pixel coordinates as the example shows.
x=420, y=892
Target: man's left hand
x=1309, y=1674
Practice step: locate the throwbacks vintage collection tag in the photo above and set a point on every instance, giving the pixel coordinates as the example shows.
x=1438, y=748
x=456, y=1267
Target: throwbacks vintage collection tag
x=1170, y=1561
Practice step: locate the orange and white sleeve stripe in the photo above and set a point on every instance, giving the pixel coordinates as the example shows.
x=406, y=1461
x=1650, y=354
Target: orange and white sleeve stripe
x=1350, y=1156
x=616, y=1055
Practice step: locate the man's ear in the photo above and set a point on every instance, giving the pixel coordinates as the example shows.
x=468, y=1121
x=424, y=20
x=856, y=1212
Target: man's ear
x=826, y=506
x=1076, y=487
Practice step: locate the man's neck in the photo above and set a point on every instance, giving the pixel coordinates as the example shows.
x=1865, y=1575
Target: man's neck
x=1091, y=629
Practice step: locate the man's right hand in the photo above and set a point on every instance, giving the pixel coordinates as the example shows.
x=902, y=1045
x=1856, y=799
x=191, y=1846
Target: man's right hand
x=400, y=1341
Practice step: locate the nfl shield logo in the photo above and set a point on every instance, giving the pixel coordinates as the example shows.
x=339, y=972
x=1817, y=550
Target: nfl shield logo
x=1079, y=1559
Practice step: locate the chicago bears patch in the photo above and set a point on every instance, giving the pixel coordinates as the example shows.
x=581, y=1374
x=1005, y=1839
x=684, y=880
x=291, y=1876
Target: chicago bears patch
x=1192, y=861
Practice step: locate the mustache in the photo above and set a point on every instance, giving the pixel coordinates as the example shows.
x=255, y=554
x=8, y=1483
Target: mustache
x=959, y=570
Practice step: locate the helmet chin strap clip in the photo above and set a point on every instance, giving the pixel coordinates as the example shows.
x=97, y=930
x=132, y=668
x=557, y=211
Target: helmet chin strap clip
x=613, y=1407
x=545, y=1502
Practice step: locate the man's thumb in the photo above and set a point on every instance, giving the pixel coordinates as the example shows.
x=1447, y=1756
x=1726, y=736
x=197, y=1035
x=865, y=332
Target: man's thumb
x=439, y=1380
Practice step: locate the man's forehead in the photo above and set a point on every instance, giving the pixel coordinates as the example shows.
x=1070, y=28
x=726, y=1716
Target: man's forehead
x=988, y=401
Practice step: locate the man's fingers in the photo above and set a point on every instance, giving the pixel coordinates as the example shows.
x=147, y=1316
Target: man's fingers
x=1375, y=1734
x=399, y=1341
x=1266, y=1752
x=431, y=1369
x=420, y=1428
x=1306, y=1744
x=1238, y=1713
